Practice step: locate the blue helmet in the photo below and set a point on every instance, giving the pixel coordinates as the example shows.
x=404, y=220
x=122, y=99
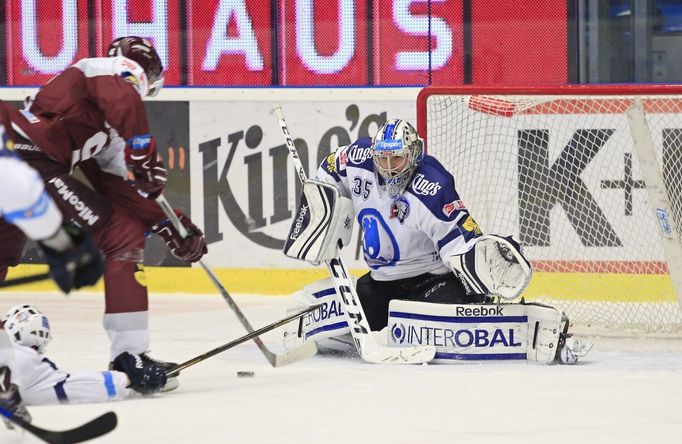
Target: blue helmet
x=397, y=151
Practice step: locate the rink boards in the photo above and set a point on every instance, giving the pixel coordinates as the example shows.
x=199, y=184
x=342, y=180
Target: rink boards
x=229, y=169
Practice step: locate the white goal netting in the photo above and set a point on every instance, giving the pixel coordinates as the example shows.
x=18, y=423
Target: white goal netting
x=560, y=171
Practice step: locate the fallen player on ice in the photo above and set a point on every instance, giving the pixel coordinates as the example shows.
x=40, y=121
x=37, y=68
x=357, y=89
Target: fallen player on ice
x=42, y=382
x=436, y=280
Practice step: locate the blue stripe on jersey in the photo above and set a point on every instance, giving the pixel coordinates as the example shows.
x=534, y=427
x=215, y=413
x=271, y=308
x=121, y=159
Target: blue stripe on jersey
x=109, y=384
x=325, y=292
x=461, y=319
x=335, y=326
x=454, y=234
x=59, y=391
x=37, y=209
x=481, y=356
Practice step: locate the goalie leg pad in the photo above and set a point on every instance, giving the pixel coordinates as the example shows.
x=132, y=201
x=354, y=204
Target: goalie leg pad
x=474, y=332
x=460, y=333
x=329, y=321
x=323, y=223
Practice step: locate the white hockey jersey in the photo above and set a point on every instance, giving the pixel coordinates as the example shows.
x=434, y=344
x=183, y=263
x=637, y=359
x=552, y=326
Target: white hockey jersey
x=43, y=383
x=413, y=234
x=23, y=200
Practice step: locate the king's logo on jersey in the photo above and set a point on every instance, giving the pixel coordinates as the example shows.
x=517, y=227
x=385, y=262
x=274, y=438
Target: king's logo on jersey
x=425, y=187
x=400, y=209
x=358, y=155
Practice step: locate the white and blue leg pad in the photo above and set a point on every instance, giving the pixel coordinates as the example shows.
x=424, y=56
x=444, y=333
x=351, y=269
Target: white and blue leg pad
x=330, y=321
x=472, y=332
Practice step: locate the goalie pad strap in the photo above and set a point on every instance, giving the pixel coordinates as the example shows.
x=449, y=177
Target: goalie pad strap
x=323, y=223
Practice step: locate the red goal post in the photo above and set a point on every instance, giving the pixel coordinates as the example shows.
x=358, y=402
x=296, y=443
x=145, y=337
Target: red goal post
x=587, y=177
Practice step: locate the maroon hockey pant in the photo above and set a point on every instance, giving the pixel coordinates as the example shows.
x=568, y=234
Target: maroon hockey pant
x=105, y=213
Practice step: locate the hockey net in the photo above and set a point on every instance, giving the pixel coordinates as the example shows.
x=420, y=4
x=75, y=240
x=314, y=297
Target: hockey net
x=588, y=179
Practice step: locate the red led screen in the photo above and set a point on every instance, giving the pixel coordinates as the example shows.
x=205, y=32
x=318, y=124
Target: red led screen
x=298, y=42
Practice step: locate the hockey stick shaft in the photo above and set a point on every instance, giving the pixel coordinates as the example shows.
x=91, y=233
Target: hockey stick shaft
x=92, y=429
x=366, y=345
x=25, y=280
x=274, y=359
x=241, y=340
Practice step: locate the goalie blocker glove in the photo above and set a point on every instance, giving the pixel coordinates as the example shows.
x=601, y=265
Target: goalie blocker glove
x=494, y=266
x=322, y=225
x=74, y=259
x=145, y=376
x=189, y=249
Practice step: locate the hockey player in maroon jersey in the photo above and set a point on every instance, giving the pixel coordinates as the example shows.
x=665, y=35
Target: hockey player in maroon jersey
x=91, y=116
x=74, y=261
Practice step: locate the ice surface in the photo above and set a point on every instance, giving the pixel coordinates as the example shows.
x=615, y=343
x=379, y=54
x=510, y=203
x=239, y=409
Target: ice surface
x=627, y=391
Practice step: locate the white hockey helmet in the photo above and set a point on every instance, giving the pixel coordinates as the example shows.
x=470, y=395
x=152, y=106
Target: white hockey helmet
x=397, y=151
x=27, y=326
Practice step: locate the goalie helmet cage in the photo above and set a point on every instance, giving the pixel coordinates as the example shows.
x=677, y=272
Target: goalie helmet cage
x=588, y=178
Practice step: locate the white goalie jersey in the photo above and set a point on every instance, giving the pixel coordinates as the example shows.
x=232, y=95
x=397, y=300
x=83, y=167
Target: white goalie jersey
x=412, y=235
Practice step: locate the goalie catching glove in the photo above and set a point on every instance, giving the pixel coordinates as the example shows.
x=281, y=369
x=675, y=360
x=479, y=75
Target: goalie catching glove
x=494, y=266
x=323, y=223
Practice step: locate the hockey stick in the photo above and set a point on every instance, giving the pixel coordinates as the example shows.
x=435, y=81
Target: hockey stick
x=249, y=336
x=25, y=280
x=305, y=351
x=367, y=346
x=97, y=427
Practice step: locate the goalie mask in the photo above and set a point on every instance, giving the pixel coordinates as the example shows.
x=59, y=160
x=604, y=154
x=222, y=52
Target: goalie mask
x=397, y=151
x=142, y=52
x=27, y=326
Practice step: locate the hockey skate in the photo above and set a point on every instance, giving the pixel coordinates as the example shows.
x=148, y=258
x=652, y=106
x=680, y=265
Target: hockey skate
x=571, y=348
x=10, y=399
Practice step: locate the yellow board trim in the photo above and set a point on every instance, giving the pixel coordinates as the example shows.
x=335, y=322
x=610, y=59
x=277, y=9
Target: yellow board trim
x=597, y=287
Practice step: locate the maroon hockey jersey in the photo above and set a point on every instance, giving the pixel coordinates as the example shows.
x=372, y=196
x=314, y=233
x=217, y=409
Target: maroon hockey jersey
x=80, y=112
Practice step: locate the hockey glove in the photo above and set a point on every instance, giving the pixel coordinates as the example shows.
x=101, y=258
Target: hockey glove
x=145, y=377
x=189, y=249
x=77, y=266
x=146, y=165
x=10, y=399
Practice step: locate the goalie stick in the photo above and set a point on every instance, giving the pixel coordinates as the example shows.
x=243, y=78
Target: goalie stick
x=367, y=346
x=305, y=351
x=229, y=345
x=97, y=427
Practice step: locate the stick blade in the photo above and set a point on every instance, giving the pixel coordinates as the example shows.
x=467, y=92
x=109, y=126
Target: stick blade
x=90, y=430
x=307, y=350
